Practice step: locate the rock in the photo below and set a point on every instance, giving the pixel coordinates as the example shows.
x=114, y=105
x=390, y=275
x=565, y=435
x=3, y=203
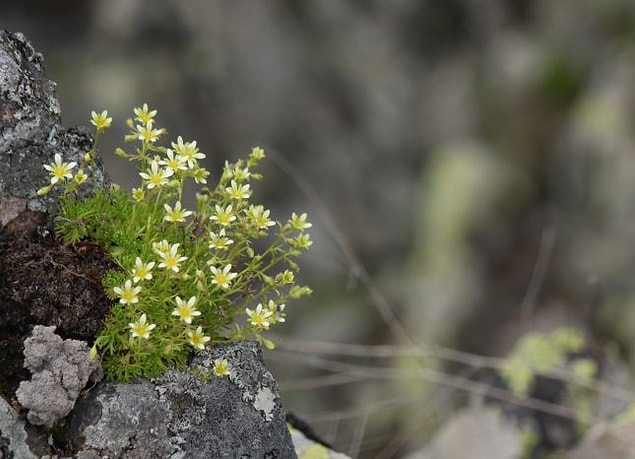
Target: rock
x=306, y=448
x=189, y=414
x=476, y=432
x=607, y=442
x=33, y=290
x=30, y=112
x=12, y=434
x=30, y=129
x=61, y=369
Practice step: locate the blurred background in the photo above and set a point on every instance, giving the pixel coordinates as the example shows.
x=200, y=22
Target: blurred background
x=468, y=167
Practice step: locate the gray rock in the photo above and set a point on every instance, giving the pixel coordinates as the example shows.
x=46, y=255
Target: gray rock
x=476, y=432
x=189, y=415
x=307, y=448
x=606, y=442
x=30, y=129
x=61, y=369
x=12, y=434
x=29, y=117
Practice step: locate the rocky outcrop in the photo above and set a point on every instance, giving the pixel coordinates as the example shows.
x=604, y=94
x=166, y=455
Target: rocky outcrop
x=181, y=415
x=30, y=128
x=188, y=413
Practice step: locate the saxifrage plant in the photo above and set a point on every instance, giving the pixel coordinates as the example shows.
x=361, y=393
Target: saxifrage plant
x=187, y=278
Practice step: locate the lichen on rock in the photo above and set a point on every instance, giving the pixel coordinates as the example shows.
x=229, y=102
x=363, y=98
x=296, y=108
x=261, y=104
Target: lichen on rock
x=184, y=414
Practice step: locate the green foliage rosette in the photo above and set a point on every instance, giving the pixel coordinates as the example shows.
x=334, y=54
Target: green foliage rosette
x=220, y=272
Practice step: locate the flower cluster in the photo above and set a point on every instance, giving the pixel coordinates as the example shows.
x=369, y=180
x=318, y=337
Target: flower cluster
x=191, y=273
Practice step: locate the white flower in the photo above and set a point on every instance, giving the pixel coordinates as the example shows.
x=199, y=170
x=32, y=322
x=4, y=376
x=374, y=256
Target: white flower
x=128, y=294
x=259, y=216
x=140, y=328
x=277, y=311
x=236, y=191
x=144, y=115
x=101, y=120
x=223, y=216
x=177, y=214
x=197, y=339
x=186, y=311
x=257, y=154
x=299, y=222
x=155, y=176
x=172, y=259
x=188, y=150
x=219, y=241
x=60, y=170
x=259, y=317
x=221, y=367
x=174, y=163
x=200, y=175
x=303, y=241
x=142, y=271
x=241, y=174
x=161, y=247
x=145, y=133
x=222, y=277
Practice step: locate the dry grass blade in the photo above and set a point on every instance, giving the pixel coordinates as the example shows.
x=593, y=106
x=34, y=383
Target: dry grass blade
x=441, y=353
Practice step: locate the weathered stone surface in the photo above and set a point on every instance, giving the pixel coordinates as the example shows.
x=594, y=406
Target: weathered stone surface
x=476, y=432
x=606, y=442
x=306, y=448
x=61, y=369
x=30, y=129
x=184, y=416
x=12, y=434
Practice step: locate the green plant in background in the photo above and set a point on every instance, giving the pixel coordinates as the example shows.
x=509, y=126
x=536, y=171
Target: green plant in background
x=543, y=353
x=221, y=272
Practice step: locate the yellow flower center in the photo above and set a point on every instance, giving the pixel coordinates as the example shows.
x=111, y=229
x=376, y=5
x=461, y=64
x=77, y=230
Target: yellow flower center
x=142, y=272
x=258, y=319
x=221, y=369
x=144, y=117
x=171, y=261
x=222, y=278
x=185, y=313
x=60, y=171
x=128, y=296
x=156, y=179
x=224, y=219
x=141, y=329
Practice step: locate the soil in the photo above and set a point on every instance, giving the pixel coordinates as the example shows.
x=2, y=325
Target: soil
x=44, y=281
